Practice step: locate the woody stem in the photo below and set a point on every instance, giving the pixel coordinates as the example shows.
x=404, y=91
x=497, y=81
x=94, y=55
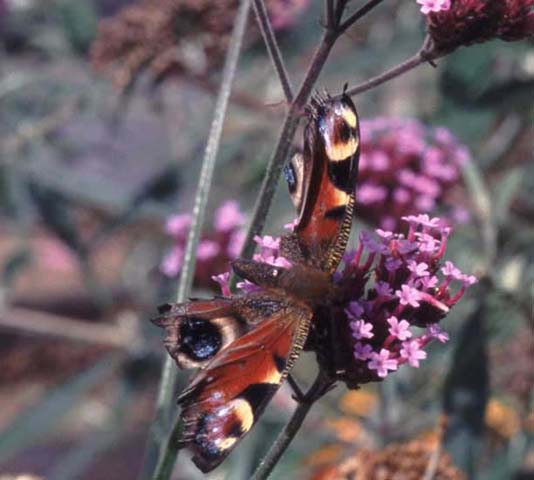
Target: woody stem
x=425, y=54
x=322, y=385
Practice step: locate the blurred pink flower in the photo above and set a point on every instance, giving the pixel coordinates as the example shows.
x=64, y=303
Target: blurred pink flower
x=216, y=248
x=407, y=168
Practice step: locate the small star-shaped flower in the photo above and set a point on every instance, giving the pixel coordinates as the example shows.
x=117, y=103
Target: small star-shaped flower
x=398, y=329
x=411, y=351
x=382, y=363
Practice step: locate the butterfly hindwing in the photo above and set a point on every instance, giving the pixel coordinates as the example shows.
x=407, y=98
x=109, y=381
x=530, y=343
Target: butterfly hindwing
x=226, y=397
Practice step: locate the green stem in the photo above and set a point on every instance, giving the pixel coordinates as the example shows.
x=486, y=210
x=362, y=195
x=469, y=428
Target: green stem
x=169, y=372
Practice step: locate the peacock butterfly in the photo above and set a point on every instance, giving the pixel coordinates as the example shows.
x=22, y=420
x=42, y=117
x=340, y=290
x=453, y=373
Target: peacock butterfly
x=245, y=345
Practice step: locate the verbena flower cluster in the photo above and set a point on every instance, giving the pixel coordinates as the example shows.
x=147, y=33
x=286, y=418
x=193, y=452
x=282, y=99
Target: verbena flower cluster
x=399, y=282
x=216, y=247
x=407, y=168
x=453, y=23
x=175, y=37
x=395, y=282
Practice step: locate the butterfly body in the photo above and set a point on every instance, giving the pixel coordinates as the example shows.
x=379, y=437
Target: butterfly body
x=245, y=345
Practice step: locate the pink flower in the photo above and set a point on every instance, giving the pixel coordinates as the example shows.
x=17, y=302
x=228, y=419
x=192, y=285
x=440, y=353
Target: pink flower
x=235, y=244
x=399, y=330
x=178, y=224
x=223, y=279
x=411, y=351
x=408, y=296
x=207, y=249
x=424, y=293
x=418, y=269
x=382, y=363
x=406, y=168
x=172, y=262
x=268, y=243
x=216, y=249
x=428, y=6
x=228, y=216
x=361, y=329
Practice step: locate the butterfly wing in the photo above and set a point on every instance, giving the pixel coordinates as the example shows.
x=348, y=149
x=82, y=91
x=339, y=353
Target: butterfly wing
x=197, y=330
x=327, y=169
x=226, y=397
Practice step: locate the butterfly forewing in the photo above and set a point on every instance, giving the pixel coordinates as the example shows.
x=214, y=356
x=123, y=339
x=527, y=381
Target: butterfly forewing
x=226, y=397
x=197, y=330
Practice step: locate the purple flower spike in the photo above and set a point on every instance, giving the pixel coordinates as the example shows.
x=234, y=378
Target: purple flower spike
x=424, y=292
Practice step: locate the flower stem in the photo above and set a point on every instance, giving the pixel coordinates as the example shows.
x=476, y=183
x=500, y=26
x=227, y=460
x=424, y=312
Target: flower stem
x=425, y=54
x=322, y=385
x=262, y=17
x=169, y=372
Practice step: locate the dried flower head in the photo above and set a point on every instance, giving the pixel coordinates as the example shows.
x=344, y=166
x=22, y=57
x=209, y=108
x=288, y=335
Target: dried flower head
x=215, y=249
x=172, y=37
x=401, y=460
x=464, y=22
x=513, y=372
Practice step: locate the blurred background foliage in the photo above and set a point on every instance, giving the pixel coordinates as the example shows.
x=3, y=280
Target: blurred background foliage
x=89, y=173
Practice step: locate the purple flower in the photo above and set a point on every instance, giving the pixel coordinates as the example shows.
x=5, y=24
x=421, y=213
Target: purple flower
x=216, y=249
x=362, y=351
x=355, y=310
x=223, y=279
x=450, y=270
x=436, y=332
x=172, y=262
x=412, y=352
x=424, y=293
x=382, y=363
x=383, y=289
x=399, y=330
x=408, y=296
x=418, y=269
x=207, y=249
x=228, y=216
x=235, y=244
x=178, y=224
x=406, y=168
x=361, y=329
x=268, y=243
